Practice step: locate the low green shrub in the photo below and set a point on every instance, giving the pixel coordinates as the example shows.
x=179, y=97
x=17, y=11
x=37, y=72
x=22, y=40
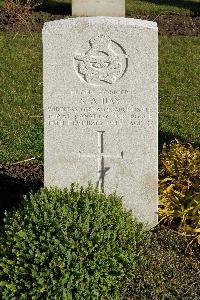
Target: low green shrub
x=179, y=188
x=71, y=244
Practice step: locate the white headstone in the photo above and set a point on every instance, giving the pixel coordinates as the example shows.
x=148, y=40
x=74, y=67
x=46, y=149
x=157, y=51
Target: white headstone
x=100, y=108
x=86, y=8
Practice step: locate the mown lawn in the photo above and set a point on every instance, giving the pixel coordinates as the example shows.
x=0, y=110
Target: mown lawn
x=179, y=99
x=21, y=132
x=21, y=119
x=134, y=7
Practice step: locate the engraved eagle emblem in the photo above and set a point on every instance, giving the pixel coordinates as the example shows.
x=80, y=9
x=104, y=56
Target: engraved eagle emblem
x=103, y=64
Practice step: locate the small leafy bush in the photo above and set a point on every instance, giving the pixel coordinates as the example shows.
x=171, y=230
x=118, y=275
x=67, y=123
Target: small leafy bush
x=71, y=244
x=179, y=188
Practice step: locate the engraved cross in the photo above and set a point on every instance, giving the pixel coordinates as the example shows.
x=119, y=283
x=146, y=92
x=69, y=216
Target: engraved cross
x=101, y=169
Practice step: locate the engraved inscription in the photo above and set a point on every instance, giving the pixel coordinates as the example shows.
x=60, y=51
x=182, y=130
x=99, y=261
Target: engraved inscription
x=103, y=64
x=104, y=108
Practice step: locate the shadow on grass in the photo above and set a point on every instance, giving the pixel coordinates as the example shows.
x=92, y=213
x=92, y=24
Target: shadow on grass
x=12, y=191
x=164, y=137
x=61, y=8
x=55, y=8
x=193, y=6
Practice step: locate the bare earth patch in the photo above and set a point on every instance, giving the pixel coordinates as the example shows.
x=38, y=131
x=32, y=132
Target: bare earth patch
x=168, y=24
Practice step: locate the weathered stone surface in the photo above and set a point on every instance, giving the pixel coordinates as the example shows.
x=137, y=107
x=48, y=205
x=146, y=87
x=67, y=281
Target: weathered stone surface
x=100, y=107
x=88, y=8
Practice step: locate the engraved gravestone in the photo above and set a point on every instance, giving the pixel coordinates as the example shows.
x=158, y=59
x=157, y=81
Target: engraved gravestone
x=100, y=108
x=85, y=8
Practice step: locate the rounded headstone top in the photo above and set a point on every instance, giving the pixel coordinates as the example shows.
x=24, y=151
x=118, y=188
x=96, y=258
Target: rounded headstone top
x=104, y=21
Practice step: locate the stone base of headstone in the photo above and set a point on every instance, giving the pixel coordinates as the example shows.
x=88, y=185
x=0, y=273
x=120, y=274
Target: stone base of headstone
x=100, y=108
x=88, y=8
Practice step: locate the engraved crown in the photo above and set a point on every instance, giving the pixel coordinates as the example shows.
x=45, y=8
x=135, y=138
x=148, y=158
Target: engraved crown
x=100, y=40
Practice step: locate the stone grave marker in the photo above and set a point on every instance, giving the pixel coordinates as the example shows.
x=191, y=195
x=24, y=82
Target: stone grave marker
x=100, y=108
x=85, y=8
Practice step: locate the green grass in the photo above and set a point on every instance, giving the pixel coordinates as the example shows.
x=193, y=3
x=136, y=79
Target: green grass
x=21, y=135
x=134, y=7
x=179, y=75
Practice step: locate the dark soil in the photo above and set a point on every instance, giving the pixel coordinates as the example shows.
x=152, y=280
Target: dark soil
x=168, y=24
x=172, y=271
x=174, y=24
x=16, y=181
